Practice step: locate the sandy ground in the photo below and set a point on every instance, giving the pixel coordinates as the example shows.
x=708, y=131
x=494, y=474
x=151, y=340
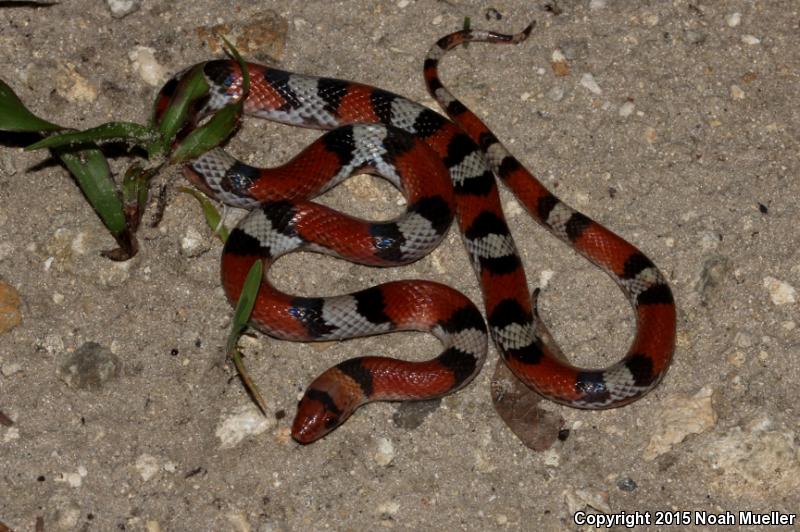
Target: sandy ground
x=686, y=144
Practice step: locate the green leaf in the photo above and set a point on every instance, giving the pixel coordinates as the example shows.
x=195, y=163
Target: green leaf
x=220, y=125
x=91, y=171
x=209, y=135
x=241, y=316
x=191, y=87
x=213, y=218
x=109, y=131
x=14, y=116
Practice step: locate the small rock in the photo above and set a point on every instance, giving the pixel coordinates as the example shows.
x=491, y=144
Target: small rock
x=73, y=479
x=750, y=39
x=144, y=63
x=263, y=35
x=680, y=416
x=734, y=19
x=597, y=4
x=12, y=433
x=239, y=522
x=588, y=81
x=121, y=8
x=650, y=135
x=780, y=292
x=756, y=460
x=559, y=63
x=72, y=86
x=193, y=244
x=388, y=509
x=64, y=512
x=650, y=19
x=626, y=109
x=556, y=93
x=90, y=367
x=582, y=498
x=246, y=420
x=10, y=315
x=51, y=343
x=737, y=359
x=113, y=274
x=736, y=92
x=147, y=466
x=626, y=484
x=385, y=454
x=9, y=369
x=551, y=458
x=545, y=277
x=743, y=340
x=695, y=37
x=715, y=270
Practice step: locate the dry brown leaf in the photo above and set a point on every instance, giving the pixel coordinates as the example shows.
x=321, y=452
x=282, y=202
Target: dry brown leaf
x=518, y=407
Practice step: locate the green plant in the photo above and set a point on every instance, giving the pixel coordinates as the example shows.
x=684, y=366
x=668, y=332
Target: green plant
x=120, y=205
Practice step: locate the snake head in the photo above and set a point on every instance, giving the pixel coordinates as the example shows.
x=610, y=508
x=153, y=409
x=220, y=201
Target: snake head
x=317, y=415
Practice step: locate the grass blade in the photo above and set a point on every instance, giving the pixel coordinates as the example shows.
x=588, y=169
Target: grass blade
x=173, y=118
x=241, y=316
x=209, y=135
x=108, y=131
x=90, y=169
x=14, y=116
x=213, y=218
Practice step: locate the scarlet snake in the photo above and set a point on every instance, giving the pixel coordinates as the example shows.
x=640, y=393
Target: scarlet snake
x=417, y=150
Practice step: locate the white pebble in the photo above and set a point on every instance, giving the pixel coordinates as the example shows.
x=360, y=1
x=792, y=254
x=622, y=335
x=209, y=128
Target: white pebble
x=734, y=19
x=736, y=92
x=192, y=243
x=626, y=109
x=389, y=508
x=385, y=453
x=10, y=369
x=120, y=8
x=597, y=4
x=544, y=278
x=11, y=434
x=73, y=479
x=402, y=4
x=750, y=39
x=246, y=420
x=587, y=80
x=145, y=64
x=147, y=466
x=781, y=292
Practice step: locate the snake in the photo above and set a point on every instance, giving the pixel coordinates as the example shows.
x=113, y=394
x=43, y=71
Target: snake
x=446, y=168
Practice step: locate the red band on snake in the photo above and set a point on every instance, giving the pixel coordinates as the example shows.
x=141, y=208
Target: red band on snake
x=445, y=168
